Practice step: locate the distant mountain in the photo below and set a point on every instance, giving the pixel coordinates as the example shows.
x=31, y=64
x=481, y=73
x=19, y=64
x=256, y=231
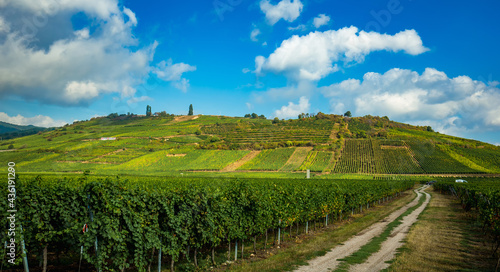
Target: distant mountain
x=11, y=131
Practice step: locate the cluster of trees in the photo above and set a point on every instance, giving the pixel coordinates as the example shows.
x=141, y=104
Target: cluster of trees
x=255, y=116
x=321, y=115
x=164, y=113
x=116, y=115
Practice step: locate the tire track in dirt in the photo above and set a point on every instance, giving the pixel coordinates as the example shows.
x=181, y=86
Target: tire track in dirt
x=329, y=261
x=388, y=250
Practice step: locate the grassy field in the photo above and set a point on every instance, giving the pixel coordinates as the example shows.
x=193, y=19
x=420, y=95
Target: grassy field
x=445, y=239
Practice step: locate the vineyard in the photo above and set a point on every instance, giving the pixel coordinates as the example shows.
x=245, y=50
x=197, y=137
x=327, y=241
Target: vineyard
x=296, y=159
x=434, y=159
x=271, y=159
x=317, y=161
x=482, y=195
x=357, y=157
x=260, y=131
x=126, y=221
x=143, y=145
x=411, y=156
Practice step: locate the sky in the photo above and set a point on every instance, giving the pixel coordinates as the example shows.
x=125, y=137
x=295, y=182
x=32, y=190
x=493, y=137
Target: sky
x=416, y=61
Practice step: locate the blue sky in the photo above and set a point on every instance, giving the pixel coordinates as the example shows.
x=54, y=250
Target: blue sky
x=420, y=62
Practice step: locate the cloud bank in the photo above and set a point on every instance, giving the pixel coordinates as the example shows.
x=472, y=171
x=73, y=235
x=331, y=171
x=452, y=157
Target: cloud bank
x=451, y=105
x=39, y=120
x=315, y=56
x=76, y=66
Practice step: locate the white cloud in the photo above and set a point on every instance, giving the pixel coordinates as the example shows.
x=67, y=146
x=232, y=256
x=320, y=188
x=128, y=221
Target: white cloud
x=131, y=16
x=254, y=34
x=314, y=56
x=172, y=72
x=293, y=110
x=39, y=120
x=102, y=9
x=80, y=67
x=134, y=100
x=4, y=27
x=182, y=84
x=285, y=9
x=299, y=27
x=321, y=20
x=249, y=106
x=450, y=105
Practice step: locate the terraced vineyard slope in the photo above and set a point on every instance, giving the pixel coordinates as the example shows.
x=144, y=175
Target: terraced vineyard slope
x=323, y=143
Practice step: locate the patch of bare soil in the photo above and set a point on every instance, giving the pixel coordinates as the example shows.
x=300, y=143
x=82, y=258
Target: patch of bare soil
x=175, y=155
x=182, y=119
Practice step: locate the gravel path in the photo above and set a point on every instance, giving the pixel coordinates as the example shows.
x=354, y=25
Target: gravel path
x=329, y=262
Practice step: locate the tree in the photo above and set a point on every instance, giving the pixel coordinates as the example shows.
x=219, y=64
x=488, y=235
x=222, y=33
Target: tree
x=262, y=116
x=248, y=115
x=429, y=128
x=148, y=110
x=163, y=114
x=190, y=109
x=254, y=115
x=348, y=114
x=276, y=120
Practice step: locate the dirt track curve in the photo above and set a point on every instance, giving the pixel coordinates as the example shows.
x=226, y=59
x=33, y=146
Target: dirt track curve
x=376, y=261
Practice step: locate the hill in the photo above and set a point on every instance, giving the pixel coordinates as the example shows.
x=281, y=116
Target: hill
x=220, y=145
x=11, y=131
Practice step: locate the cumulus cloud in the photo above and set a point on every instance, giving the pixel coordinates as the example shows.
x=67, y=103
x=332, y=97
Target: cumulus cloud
x=285, y=9
x=169, y=71
x=102, y=9
x=293, y=110
x=321, y=20
x=39, y=120
x=173, y=72
x=79, y=66
x=314, y=56
x=76, y=69
x=254, y=34
x=451, y=105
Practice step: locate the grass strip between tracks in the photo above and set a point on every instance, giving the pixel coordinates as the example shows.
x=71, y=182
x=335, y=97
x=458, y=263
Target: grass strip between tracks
x=374, y=245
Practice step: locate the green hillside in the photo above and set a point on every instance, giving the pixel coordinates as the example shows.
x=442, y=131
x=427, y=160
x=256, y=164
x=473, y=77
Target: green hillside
x=210, y=145
x=11, y=131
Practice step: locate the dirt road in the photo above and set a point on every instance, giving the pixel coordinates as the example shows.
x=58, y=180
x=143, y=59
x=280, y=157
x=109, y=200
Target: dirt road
x=377, y=261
